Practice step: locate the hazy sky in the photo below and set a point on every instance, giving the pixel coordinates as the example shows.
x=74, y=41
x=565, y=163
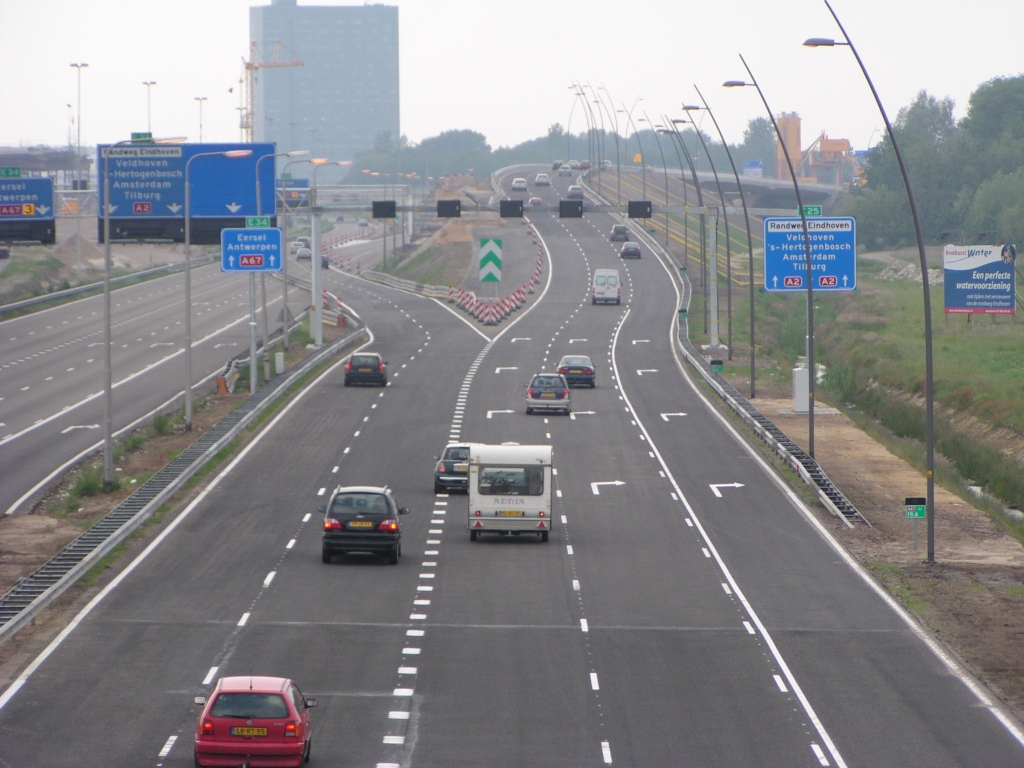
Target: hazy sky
x=503, y=68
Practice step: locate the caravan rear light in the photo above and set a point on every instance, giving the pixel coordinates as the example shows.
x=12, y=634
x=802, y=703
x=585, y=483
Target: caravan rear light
x=477, y=513
x=541, y=513
x=541, y=524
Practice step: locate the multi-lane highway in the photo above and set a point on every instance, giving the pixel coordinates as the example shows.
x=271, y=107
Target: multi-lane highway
x=688, y=610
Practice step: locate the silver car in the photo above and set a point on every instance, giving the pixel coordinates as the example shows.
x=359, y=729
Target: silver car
x=548, y=392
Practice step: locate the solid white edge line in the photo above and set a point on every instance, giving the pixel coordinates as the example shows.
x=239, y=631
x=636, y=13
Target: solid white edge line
x=57, y=641
x=952, y=664
x=794, y=686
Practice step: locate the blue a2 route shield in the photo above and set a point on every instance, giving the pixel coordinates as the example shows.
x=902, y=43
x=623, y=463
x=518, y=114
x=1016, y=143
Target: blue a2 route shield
x=250, y=250
x=147, y=181
x=833, y=254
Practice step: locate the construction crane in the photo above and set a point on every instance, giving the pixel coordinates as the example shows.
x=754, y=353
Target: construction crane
x=258, y=61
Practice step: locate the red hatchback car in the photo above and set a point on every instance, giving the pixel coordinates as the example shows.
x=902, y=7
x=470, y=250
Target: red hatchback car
x=256, y=721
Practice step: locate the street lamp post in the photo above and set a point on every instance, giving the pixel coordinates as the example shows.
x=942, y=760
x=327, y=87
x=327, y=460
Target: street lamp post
x=750, y=241
x=188, y=288
x=807, y=253
x=618, y=161
x=108, y=388
x=317, y=308
x=725, y=218
x=682, y=177
x=928, y=373
x=701, y=217
x=78, y=177
x=588, y=115
x=200, y=99
x=664, y=168
x=643, y=162
x=149, y=103
x=284, y=260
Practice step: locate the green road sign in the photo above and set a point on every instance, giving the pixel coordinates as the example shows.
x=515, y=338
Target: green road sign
x=257, y=221
x=812, y=210
x=145, y=137
x=915, y=508
x=490, y=260
x=10, y=172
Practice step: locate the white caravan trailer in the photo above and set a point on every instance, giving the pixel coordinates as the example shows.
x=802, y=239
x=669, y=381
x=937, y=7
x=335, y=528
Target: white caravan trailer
x=510, y=490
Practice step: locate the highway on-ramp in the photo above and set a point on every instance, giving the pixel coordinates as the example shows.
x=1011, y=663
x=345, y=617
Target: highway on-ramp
x=687, y=610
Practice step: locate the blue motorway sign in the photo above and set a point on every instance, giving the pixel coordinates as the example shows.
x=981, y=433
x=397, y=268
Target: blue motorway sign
x=147, y=181
x=250, y=250
x=833, y=254
x=26, y=199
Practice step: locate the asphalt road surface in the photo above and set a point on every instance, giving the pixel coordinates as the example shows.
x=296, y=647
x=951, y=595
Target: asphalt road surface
x=687, y=610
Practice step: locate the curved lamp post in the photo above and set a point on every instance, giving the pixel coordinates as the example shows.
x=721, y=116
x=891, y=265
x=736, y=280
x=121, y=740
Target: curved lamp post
x=686, y=203
x=643, y=162
x=929, y=384
x=807, y=253
x=750, y=241
x=317, y=306
x=701, y=218
x=664, y=168
x=188, y=290
x=618, y=159
x=725, y=218
x=108, y=377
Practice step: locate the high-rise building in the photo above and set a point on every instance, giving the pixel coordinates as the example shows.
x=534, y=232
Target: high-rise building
x=346, y=93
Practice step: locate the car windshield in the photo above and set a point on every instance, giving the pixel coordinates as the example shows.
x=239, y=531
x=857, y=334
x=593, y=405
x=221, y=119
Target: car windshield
x=547, y=381
x=512, y=481
x=249, y=705
x=364, y=360
x=358, y=504
x=457, y=454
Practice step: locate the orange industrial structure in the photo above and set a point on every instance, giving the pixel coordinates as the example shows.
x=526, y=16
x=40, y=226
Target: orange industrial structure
x=826, y=161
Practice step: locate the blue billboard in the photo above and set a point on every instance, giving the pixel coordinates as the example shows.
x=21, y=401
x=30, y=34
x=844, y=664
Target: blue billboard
x=254, y=249
x=979, y=279
x=26, y=199
x=147, y=181
x=833, y=253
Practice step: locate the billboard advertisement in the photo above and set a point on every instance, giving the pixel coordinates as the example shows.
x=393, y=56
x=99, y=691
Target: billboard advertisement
x=979, y=279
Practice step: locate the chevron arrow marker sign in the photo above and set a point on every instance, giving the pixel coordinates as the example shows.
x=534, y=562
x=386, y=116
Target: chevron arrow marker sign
x=490, y=260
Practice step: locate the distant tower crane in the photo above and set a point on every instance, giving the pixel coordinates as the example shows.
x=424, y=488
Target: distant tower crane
x=258, y=61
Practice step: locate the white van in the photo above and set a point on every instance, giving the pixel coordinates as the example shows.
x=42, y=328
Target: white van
x=605, y=287
x=510, y=490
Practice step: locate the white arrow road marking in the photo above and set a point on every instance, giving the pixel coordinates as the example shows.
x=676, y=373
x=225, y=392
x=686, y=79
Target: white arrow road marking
x=507, y=368
x=520, y=338
x=666, y=415
x=714, y=488
x=642, y=371
x=233, y=207
x=574, y=414
x=641, y=341
x=492, y=412
x=594, y=486
x=572, y=340
x=79, y=426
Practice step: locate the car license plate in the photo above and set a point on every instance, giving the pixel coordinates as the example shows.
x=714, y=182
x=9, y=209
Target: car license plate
x=365, y=370
x=461, y=467
x=547, y=394
x=511, y=513
x=361, y=524
x=241, y=730
x=575, y=370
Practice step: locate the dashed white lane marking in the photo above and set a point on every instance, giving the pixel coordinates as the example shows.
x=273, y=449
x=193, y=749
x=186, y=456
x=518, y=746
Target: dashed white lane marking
x=290, y=544
x=210, y=675
x=397, y=715
x=414, y=633
x=705, y=551
x=411, y=651
x=749, y=627
x=393, y=740
x=674, y=497
x=558, y=493
x=402, y=692
x=347, y=450
x=583, y=622
x=305, y=517
x=779, y=682
x=245, y=618
x=407, y=670
x=321, y=492
x=167, y=746
x=594, y=686
x=606, y=752
x=818, y=753
x=568, y=549
x=423, y=588
x=564, y=520
x=270, y=578
x=726, y=588
x=689, y=522
x=421, y=601
x=576, y=585
x=417, y=617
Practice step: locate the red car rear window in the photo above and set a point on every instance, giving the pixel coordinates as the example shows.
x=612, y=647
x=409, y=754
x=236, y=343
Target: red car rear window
x=249, y=705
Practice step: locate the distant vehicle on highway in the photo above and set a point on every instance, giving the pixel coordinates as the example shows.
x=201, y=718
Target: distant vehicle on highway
x=606, y=163
x=452, y=470
x=574, y=164
x=535, y=202
x=575, y=192
x=556, y=165
x=584, y=165
x=254, y=718
x=630, y=250
x=305, y=241
x=620, y=233
x=362, y=518
x=548, y=392
x=366, y=368
x=364, y=223
x=519, y=185
x=564, y=170
x=304, y=254
x=542, y=180
x=605, y=287
x=578, y=369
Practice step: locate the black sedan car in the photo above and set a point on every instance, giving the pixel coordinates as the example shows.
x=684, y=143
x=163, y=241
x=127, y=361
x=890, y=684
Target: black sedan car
x=452, y=470
x=362, y=518
x=578, y=370
x=366, y=368
x=630, y=250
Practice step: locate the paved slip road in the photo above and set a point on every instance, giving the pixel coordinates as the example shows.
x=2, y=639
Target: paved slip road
x=51, y=363
x=652, y=630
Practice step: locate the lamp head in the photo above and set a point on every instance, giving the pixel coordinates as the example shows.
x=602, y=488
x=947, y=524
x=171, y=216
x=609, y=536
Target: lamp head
x=690, y=107
x=318, y=160
x=735, y=84
x=819, y=42
x=238, y=153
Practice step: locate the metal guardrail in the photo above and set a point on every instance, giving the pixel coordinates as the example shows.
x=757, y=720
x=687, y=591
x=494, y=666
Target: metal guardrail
x=431, y=291
x=36, y=591
x=808, y=469
x=170, y=269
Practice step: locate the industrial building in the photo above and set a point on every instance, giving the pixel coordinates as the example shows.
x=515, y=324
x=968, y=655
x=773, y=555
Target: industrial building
x=322, y=78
